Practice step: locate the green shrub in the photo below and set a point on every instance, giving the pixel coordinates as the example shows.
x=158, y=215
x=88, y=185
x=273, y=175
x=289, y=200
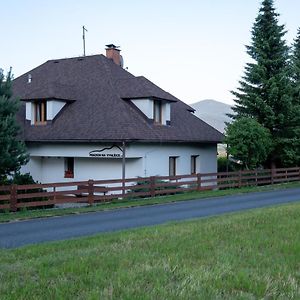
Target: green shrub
x=26, y=179
x=232, y=165
x=146, y=190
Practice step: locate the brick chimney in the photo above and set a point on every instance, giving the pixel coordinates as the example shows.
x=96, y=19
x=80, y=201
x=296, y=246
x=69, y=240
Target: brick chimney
x=113, y=53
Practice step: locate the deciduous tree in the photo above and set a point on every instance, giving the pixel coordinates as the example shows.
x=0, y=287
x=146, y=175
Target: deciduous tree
x=248, y=141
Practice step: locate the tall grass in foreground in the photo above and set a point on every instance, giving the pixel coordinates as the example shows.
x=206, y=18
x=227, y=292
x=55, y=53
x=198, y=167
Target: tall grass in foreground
x=250, y=255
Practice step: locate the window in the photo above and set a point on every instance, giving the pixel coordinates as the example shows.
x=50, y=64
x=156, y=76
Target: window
x=157, y=112
x=172, y=165
x=40, y=112
x=194, y=164
x=69, y=167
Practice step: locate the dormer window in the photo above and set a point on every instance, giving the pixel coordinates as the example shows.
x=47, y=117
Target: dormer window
x=40, y=112
x=157, y=112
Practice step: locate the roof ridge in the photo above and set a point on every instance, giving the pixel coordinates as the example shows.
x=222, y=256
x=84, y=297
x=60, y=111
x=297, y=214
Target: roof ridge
x=75, y=57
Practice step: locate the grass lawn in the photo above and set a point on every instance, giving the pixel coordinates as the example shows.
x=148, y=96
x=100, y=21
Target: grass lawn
x=29, y=214
x=249, y=255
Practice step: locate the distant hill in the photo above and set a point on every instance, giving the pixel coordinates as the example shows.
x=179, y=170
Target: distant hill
x=213, y=112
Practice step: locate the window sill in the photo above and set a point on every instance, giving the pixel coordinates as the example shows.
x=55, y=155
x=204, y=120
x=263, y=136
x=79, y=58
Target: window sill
x=40, y=123
x=69, y=175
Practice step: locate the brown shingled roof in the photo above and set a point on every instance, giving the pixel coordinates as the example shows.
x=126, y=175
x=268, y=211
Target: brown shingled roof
x=100, y=112
x=141, y=87
x=49, y=90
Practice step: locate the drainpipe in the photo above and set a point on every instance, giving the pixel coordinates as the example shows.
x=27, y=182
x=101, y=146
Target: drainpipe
x=123, y=167
x=227, y=159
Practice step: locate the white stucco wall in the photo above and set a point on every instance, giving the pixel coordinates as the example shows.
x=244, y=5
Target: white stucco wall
x=53, y=108
x=145, y=106
x=47, y=161
x=34, y=167
x=28, y=111
x=156, y=158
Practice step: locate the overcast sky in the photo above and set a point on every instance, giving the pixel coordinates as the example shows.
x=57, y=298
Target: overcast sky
x=193, y=49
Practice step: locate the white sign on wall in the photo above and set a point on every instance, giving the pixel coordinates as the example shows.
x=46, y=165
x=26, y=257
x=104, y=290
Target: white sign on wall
x=105, y=153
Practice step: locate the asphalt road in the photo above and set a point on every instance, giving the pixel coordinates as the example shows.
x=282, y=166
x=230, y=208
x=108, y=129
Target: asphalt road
x=34, y=231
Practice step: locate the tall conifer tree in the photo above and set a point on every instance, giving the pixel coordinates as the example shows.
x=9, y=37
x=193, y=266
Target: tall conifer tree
x=12, y=151
x=265, y=91
x=295, y=64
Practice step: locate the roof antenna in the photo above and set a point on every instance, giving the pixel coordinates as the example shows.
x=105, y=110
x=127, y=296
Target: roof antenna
x=83, y=37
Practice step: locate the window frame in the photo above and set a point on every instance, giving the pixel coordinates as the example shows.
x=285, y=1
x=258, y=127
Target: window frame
x=194, y=164
x=40, y=107
x=172, y=165
x=157, y=104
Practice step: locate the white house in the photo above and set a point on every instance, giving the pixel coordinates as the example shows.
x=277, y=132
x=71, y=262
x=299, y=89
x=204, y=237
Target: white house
x=82, y=117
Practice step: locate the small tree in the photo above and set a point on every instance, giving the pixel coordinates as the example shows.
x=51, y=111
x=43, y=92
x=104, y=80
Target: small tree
x=248, y=141
x=12, y=151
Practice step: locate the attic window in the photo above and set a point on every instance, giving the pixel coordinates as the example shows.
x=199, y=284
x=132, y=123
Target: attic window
x=40, y=113
x=157, y=112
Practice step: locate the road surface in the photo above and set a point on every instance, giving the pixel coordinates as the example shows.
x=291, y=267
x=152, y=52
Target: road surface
x=34, y=231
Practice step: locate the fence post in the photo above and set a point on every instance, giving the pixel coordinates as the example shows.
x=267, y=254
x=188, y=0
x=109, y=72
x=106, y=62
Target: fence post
x=272, y=175
x=198, y=182
x=54, y=191
x=91, y=192
x=13, y=198
x=123, y=188
x=240, y=178
x=256, y=177
x=152, y=186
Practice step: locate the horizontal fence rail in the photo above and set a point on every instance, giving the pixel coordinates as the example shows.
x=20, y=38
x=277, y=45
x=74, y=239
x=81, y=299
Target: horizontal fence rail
x=15, y=197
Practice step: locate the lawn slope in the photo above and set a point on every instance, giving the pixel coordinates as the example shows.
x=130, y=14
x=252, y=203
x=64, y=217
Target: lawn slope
x=249, y=255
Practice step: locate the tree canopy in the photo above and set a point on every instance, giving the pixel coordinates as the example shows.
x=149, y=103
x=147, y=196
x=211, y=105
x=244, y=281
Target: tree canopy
x=265, y=92
x=248, y=141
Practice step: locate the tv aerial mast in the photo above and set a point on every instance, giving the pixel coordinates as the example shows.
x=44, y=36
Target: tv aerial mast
x=83, y=38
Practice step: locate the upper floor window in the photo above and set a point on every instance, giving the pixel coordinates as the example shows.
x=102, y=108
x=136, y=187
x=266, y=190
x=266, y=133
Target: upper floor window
x=157, y=112
x=40, y=112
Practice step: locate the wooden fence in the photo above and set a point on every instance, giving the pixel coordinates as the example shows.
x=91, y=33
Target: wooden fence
x=16, y=197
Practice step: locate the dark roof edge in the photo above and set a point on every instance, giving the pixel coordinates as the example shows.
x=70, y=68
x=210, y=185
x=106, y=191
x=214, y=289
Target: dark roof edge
x=125, y=140
x=148, y=97
x=46, y=98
